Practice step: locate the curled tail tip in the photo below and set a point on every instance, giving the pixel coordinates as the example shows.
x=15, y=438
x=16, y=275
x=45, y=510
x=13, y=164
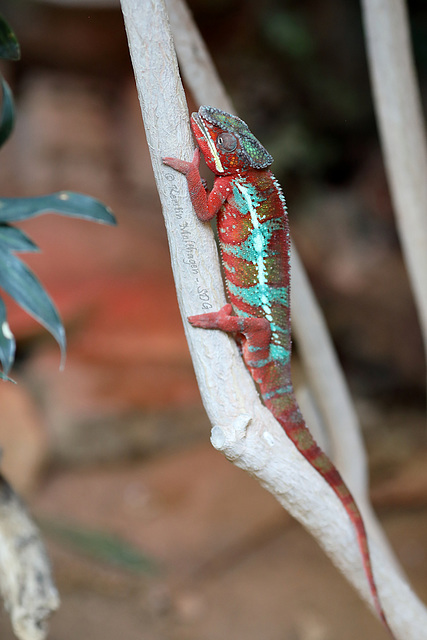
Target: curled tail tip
x=321, y=463
x=380, y=612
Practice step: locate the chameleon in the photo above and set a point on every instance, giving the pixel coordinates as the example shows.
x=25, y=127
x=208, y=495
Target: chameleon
x=253, y=232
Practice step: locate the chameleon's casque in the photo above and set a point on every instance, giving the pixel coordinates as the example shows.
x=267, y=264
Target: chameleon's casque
x=254, y=240
x=227, y=143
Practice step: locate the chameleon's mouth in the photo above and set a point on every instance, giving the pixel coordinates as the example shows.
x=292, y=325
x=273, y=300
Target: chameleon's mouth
x=207, y=136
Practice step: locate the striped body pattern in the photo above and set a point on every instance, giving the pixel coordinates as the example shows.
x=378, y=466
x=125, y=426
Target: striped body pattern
x=253, y=233
x=254, y=239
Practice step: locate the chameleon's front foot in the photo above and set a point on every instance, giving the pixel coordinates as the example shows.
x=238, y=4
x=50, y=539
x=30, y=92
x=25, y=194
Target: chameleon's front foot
x=183, y=166
x=197, y=188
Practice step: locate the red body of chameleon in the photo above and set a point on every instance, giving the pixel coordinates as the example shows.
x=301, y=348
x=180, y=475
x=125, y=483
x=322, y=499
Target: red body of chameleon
x=253, y=233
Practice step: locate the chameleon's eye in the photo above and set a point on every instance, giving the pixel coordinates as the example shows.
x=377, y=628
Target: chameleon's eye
x=227, y=141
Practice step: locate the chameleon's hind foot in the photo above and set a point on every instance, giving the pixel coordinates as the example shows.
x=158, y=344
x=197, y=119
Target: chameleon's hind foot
x=257, y=331
x=222, y=319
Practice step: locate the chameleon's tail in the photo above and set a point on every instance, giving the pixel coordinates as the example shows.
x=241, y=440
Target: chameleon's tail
x=295, y=427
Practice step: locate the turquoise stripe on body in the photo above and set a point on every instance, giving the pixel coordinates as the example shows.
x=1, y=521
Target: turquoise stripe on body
x=278, y=392
x=259, y=294
x=256, y=243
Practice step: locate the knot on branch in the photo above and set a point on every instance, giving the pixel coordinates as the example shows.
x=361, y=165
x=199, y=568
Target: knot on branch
x=230, y=439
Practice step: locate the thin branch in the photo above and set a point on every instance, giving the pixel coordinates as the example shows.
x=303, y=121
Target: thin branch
x=402, y=132
x=327, y=381
x=26, y=583
x=198, y=70
x=325, y=374
x=243, y=429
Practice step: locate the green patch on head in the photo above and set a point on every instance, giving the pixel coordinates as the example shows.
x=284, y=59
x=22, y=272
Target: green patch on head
x=255, y=154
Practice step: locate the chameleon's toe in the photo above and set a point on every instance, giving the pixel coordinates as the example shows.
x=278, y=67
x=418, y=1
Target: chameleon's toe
x=183, y=166
x=174, y=163
x=204, y=320
x=222, y=319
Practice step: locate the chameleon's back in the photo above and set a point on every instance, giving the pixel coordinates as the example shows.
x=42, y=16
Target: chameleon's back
x=254, y=239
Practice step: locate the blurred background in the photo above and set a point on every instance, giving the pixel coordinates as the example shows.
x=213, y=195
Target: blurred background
x=152, y=533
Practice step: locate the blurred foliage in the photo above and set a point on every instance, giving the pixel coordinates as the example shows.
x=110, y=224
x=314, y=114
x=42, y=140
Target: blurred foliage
x=7, y=117
x=16, y=278
x=100, y=546
x=9, y=45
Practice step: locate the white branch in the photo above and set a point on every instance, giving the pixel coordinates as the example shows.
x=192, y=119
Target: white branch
x=26, y=583
x=401, y=126
x=242, y=428
x=197, y=68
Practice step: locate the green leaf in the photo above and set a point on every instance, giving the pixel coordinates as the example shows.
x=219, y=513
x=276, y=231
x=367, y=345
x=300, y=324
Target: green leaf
x=13, y=239
x=67, y=203
x=100, y=546
x=7, y=114
x=6, y=378
x=9, y=45
x=7, y=342
x=23, y=286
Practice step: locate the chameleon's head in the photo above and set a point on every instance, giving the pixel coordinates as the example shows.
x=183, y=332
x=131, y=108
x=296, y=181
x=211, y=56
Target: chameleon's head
x=227, y=143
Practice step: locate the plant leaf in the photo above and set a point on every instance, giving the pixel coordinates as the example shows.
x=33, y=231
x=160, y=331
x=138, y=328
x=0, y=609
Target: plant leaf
x=7, y=115
x=101, y=546
x=23, y=286
x=7, y=342
x=67, y=203
x=9, y=45
x=6, y=378
x=13, y=239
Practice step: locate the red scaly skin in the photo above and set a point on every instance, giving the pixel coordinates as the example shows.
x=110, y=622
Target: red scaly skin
x=253, y=233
